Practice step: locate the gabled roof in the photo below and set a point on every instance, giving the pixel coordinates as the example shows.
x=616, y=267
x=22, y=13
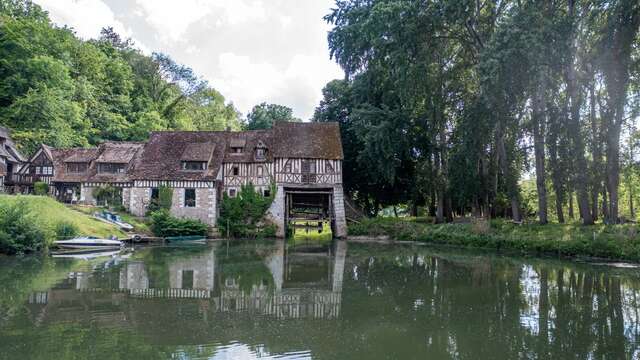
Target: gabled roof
x=249, y=140
x=307, y=140
x=108, y=152
x=81, y=155
x=201, y=151
x=118, y=152
x=163, y=154
x=9, y=150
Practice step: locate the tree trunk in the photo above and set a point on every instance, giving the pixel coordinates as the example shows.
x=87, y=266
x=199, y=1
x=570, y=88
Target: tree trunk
x=613, y=171
x=539, y=125
x=510, y=180
x=596, y=154
x=573, y=91
x=571, y=215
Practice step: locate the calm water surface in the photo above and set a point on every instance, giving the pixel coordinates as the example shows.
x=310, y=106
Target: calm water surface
x=307, y=301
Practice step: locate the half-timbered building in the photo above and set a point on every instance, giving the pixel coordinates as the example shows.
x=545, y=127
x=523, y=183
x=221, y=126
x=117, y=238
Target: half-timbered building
x=300, y=162
x=11, y=161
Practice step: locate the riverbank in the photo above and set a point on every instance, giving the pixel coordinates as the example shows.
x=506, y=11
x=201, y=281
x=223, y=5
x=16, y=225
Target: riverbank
x=616, y=242
x=46, y=214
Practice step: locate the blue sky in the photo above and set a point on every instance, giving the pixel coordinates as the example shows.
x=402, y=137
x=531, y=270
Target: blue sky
x=251, y=51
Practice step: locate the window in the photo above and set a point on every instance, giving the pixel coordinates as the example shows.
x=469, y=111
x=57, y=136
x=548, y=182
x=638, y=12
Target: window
x=287, y=166
x=260, y=154
x=235, y=171
x=266, y=193
x=155, y=194
x=76, y=168
x=110, y=168
x=329, y=167
x=308, y=167
x=236, y=150
x=187, y=279
x=38, y=170
x=47, y=170
x=190, y=197
x=194, y=165
x=232, y=193
x=260, y=170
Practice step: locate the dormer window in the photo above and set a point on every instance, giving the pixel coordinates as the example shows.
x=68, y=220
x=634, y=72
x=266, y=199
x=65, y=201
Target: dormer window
x=261, y=151
x=77, y=168
x=236, y=150
x=110, y=168
x=194, y=165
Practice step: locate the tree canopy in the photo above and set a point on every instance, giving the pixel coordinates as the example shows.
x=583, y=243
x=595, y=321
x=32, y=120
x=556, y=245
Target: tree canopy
x=264, y=115
x=455, y=104
x=62, y=91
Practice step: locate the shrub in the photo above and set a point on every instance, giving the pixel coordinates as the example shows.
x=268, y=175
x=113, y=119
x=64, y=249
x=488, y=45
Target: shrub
x=66, y=230
x=40, y=188
x=19, y=232
x=164, y=200
x=108, y=195
x=240, y=215
x=164, y=225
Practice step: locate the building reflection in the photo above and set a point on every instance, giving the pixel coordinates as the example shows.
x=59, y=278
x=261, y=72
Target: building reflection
x=262, y=289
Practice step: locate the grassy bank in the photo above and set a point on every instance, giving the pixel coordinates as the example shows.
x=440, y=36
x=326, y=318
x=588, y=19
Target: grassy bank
x=620, y=242
x=141, y=225
x=48, y=213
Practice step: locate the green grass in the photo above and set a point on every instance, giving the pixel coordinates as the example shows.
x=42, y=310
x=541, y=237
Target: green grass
x=48, y=213
x=571, y=240
x=141, y=225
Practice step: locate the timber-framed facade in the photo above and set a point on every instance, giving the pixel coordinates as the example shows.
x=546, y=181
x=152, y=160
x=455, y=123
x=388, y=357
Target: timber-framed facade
x=301, y=162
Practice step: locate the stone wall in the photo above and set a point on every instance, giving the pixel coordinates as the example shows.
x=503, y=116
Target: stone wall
x=86, y=195
x=205, y=209
x=338, y=208
x=139, y=199
x=276, y=214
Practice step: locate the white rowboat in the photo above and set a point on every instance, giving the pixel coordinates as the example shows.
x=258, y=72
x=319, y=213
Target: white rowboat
x=88, y=242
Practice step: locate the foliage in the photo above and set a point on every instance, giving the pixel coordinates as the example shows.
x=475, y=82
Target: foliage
x=19, y=231
x=446, y=104
x=47, y=213
x=40, y=188
x=570, y=240
x=242, y=216
x=108, y=195
x=165, y=225
x=264, y=115
x=164, y=200
x=66, y=230
x=63, y=91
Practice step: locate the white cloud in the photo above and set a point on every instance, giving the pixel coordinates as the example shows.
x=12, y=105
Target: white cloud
x=172, y=19
x=298, y=86
x=87, y=17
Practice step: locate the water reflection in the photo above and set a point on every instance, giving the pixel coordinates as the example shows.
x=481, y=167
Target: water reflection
x=305, y=300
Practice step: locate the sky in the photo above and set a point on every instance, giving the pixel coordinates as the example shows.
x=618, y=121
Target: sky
x=252, y=51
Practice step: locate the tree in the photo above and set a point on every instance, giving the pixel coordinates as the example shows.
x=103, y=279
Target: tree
x=264, y=115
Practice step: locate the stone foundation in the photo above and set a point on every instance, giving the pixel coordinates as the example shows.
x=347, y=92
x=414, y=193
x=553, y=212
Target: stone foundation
x=205, y=209
x=338, y=208
x=276, y=214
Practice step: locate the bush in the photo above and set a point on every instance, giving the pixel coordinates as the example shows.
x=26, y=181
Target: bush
x=241, y=215
x=40, y=188
x=66, y=230
x=19, y=232
x=108, y=195
x=165, y=225
x=164, y=200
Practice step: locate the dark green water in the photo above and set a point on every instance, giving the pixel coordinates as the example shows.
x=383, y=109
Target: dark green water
x=302, y=301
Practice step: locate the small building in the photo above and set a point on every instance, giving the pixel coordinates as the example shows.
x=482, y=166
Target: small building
x=11, y=162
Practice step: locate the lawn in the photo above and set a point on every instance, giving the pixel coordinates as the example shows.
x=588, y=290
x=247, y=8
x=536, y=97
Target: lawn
x=141, y=225
x=571, y=240
x=48, y=213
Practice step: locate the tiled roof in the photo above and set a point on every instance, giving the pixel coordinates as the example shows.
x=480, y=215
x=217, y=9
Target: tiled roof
x=118, y=152
x=201, y=151
x=307, y=140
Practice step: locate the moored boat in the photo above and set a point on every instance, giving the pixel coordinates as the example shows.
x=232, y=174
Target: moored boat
x=88, y=242
x=114, y=219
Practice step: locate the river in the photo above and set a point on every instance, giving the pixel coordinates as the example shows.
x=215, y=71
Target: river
x=273, y=299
